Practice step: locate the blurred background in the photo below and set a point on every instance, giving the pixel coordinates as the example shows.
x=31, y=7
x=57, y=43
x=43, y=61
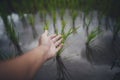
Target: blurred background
x=90, y=28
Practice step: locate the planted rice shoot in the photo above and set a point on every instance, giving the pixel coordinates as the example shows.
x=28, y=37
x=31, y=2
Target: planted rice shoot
x=31, y=19
x=74, y=16
x=87, y=23
x=12, y=34
x=54, y=21
x=46, y=27
x=90, y=39
x=62, y=12
x=62, y=72
x=23, y=20
x=43, y=14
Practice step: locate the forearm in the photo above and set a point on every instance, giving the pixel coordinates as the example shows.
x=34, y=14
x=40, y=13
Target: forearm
x=23, y=67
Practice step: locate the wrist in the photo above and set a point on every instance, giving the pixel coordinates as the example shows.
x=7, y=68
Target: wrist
x=44, y=49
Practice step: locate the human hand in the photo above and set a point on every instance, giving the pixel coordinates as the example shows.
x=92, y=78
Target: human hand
x=52, y=44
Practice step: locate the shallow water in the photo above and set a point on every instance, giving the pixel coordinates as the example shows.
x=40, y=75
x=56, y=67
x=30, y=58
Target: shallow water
x=73, y=55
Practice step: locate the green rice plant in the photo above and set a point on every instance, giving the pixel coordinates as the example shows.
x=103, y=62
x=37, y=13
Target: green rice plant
x=46, y=27
x=43, y=10
x=62, y=72
x=23, y=20
x=91, y=37
x=86, y=9
x=54, y=21
x=99, y=18
x=61, y=4
x=74, y=16
x=44, y=15
x=31, y=19
x=62, y=12
x=12, y=34
x=89, y=46
x=14, y=37
x=63, y=23
x=86, y=24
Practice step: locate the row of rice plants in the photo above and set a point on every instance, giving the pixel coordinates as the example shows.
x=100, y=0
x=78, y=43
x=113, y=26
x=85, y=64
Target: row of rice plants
x=10, y=31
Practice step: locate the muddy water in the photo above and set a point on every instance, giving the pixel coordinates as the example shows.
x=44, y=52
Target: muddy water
x=73, y=55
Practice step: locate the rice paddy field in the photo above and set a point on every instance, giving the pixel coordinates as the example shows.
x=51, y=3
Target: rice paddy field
x=90, y=31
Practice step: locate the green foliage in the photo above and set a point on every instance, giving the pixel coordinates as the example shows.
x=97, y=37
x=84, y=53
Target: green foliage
x=32, y=6
x=54, y=16
x=87, y=19
x=65, y=35
x=63, y=23
x=74, y=16
x=11, y=32
x=89, y=46
x=54, y=21
x=91, y=37
x=46, y=27
x=62, y=12
x=9, y=27
x=31, y=19
x=62, y=72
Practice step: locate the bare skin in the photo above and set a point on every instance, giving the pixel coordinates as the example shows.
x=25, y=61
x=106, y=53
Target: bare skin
x=26, y=66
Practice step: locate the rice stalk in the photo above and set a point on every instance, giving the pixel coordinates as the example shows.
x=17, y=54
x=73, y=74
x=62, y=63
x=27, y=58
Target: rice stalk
x=90, y=38
x=31, y=19
x=46, y=27
x=74, y=16
x=12, y=34
x=23, y=20
x=54, y=21
x=88, y=20
x=62, y=71
x=62, y=12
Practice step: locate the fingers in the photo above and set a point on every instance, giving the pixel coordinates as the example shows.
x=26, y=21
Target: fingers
x=53, y=36
x=59, y=47
x=57, y=43
x=56, y=38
